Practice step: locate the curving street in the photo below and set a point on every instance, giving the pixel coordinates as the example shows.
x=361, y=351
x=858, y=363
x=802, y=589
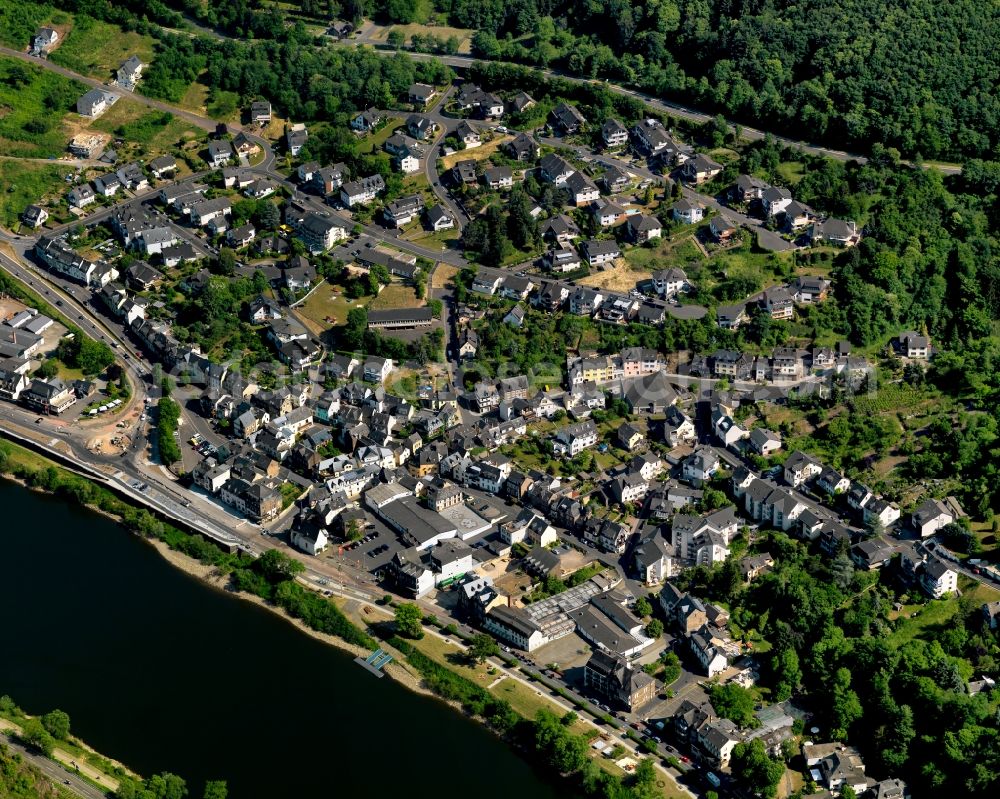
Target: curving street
x=445, y=125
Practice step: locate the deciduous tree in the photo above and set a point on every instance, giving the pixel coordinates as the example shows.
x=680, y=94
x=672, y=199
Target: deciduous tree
x=408, y=621
x=483, y=646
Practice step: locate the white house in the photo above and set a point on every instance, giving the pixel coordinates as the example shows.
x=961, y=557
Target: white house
x=701, y=464
x=669, y=282
x=800, y=468
x=320, y=233
x=377, y=369
x=81, y=196
x=687, y=212
x=775, y=200
x=614, y=133
x=930, y=516
x=310, y=539
x=881, y=511
x=515, y=627
x=938, y=580
x=574, y=439
x=130, y=72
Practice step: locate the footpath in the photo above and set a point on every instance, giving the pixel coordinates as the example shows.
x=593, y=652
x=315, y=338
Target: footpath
x=71, y=762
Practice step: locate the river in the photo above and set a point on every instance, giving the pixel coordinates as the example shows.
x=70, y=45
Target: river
x=162, y=672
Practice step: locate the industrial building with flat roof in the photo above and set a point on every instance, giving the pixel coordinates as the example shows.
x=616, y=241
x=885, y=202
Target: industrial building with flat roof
x=396, y=318
x=421, y=527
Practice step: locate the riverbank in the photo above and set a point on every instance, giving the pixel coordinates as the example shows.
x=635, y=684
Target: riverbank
x=169, y=673
x=212, y=577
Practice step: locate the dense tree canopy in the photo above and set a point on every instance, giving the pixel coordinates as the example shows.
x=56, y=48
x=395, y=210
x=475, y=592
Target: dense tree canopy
x=408, y=620
x=19, y=779
x=908, y=74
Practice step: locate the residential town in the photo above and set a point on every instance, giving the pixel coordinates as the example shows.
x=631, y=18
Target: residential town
x=555, y=383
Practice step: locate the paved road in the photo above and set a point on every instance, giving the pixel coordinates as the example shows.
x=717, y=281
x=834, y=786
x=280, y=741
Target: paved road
x=614, y=159
x=44, y=63
x=82, y=163
x=266, y=168
x=188, y=116
x=445, y=125
x=59, y=775
x=376, y=232
x=542, y=686
x=767, y=239
x=72, y=301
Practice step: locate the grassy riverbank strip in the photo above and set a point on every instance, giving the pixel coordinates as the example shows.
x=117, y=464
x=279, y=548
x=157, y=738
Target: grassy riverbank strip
x=99, y=771
x=549, y=738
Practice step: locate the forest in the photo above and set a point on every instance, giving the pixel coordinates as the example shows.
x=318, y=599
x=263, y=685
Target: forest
x=928, y=259
x=917, y=75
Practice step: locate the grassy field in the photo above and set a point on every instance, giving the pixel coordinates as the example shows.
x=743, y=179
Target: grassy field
x=374, y=142
x=196, y=99
x=464, y=35
x=765, y=269
x=417, y=184
x=26, y=183
x=724, y=155
x=19, y=21
x=395, y=295
x=622, y=277
x=145, y=132
x=33, y=102
x=68, y=374
x=439, y=238
x=521, y=697
x=679, y=251
x=327, y=307
x=98, y=48
x=937, y=613
x=449, y=654
x=21, y=456
x=791, y=171
x=987, y=538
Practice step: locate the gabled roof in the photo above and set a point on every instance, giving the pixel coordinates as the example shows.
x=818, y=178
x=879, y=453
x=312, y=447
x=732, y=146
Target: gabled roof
x=436, y=213
x=611, y=127
x=579, y=183
x=553, y=165
x=750, y=183
x=643, y=223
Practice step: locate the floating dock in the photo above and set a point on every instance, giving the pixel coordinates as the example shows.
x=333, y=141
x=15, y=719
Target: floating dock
x=375, y=662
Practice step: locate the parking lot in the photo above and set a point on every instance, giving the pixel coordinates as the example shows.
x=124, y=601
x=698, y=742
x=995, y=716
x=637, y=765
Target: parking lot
x=373, y=551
